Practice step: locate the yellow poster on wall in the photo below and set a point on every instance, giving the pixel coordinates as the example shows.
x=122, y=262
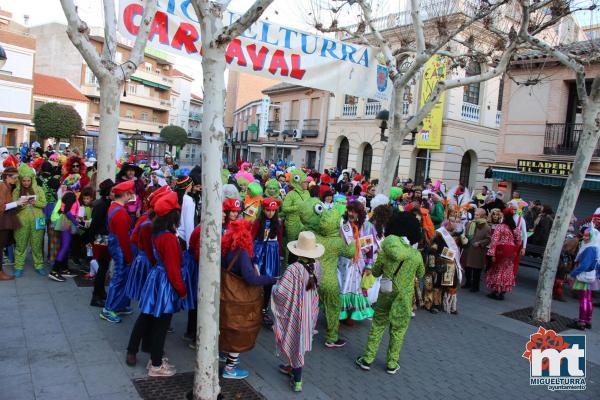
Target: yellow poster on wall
x=430, y=133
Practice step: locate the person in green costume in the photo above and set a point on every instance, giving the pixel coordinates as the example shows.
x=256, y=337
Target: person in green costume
x=325, y=223
x=243, y=185
x=30, y=233
x=398, y=263
x=272, y=189
x=292, y=203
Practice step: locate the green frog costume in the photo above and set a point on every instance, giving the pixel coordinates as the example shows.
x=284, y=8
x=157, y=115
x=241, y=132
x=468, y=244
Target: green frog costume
x=272, y=189
x=398, y=263
x=292, y=203
x=30, y=233
x=325, y=223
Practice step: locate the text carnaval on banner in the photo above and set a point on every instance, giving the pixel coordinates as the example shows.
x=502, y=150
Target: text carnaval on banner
x=267, y=49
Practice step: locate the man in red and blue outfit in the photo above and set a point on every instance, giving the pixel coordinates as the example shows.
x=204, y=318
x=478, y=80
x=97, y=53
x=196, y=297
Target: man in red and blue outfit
x=119, y=247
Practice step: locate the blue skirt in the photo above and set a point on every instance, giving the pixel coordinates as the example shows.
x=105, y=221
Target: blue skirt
x=266, y=256
x=138, y=272
x=158, y=295
x=189, y=273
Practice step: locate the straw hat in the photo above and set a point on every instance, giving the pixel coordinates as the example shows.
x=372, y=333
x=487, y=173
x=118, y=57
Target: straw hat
x=306, y=246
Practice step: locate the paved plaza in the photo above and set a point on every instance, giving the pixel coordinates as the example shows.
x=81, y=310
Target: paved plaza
x=54, y=346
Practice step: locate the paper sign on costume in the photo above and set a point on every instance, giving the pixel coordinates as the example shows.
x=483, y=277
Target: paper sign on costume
x=266, y=49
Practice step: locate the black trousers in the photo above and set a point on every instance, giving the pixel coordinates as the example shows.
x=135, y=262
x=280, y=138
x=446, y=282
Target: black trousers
x=100, y=279
x=192, y=323
x=5, y=239
x=150, y=332
x=473, y=277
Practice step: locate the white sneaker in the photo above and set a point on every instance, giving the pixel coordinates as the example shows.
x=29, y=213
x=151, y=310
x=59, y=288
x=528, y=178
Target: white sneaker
x=412, y=314
x=165, y=361
x=164, y=370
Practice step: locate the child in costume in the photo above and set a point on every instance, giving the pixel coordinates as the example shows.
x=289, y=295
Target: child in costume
x=267, y=232
x=296, y=306
x=65, y=221
x=356, y=229
x=163, y=291
x=585, y=276
x=272, y=189
x=293, y=202
x=231, y=212
x=326, y=225
x=119, y=247
x=141, y=241
x=252, y=201
x=32, y=220
x=191, y=269
x=398, y=263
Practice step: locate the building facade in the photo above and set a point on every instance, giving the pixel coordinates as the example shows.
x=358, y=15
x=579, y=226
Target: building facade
x=53, y=89
x=297, y=125
x=16, y=82
x=146, y=98
x=192, y=152
x=471, y=115
x=540, y=130
x=244, y=134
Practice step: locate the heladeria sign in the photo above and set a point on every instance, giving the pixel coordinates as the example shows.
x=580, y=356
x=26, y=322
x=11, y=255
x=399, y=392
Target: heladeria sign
x=266, y=49
x=556, y=168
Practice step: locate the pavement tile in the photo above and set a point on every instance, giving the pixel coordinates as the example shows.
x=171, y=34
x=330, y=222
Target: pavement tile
x=105, y=378
x=13, y=362
x=50, y=342
x=50, y=367
x=117, y=396
x=11, y=336
x=16, y=387
x=93, y=352
x=70, y=391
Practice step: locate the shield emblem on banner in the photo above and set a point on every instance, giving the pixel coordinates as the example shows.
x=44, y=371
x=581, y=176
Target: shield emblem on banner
x=382, y=77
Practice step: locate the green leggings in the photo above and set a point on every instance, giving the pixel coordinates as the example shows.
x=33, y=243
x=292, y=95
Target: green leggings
x=27, y=236
x=389, y=312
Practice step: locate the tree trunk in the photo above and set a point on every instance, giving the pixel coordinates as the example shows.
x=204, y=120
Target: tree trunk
x=206, y=380
x=585, y=150
x=391, y=154
x=110, y=98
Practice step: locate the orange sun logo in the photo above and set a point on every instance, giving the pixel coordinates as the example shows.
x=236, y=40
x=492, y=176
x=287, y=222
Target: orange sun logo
x=544, y=339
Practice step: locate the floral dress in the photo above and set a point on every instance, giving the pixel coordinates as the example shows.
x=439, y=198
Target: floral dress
x=504, y=247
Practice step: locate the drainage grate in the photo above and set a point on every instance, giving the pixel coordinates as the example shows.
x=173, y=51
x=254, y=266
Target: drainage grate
x=558, y=323
x=178, y=385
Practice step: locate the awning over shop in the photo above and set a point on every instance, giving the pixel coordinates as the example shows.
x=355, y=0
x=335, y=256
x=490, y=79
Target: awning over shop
x=592, y=182
x=149, y=83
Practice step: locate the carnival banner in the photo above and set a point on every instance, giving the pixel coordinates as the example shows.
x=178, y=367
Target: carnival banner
x=266, y=49
x=430, y=135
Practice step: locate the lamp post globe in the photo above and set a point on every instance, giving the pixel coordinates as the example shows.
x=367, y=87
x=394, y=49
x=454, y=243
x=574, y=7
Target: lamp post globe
x=2, y=57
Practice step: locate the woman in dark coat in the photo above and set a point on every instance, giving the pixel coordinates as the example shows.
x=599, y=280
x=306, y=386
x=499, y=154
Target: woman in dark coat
x=478, y=233
x=542, y=226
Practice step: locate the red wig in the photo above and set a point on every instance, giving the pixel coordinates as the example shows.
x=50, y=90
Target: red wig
x=68, y=166
x=238, y=236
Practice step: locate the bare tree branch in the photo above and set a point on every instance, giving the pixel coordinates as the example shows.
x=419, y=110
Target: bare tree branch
x=137, y=53
x=110, y=34
x=238, y=27
x=78, y=32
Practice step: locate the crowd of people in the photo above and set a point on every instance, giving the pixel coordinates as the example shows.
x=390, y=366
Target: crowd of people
x=294, y=242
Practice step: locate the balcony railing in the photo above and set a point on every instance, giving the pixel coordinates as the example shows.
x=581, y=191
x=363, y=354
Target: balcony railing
x=563, y=139
x=430, y=9
x=470, y=112
x=371, y=109
x=289, y=126
x=273, y=128
x=349, y=110
x=194, y=116
x=498, y=116
x=310, y=128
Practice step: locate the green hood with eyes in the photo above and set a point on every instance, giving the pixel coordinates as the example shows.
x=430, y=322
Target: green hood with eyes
x=297, y=177
x=316, y=218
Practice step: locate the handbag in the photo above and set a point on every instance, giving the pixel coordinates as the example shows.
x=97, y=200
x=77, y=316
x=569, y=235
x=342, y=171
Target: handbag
x=387, y=285
x=587, y=276
x=40, y=223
